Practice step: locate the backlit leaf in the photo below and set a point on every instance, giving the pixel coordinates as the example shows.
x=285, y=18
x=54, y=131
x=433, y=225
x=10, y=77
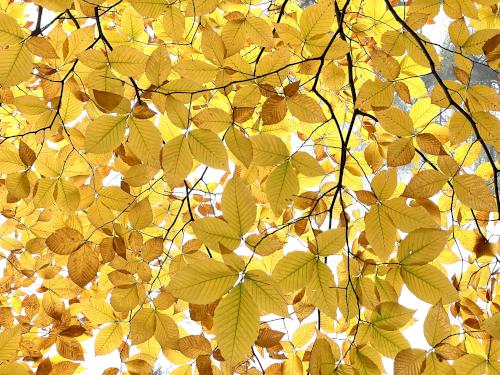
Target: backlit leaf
x=203, y=281
x=236, y=324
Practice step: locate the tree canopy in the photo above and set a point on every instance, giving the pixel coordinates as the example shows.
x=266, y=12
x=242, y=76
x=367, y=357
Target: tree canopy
x=189, y=178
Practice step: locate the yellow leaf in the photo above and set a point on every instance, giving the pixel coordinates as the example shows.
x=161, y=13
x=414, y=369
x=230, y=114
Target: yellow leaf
x=52, y=305
x=193, y=346
x=331, y=241
x=407, y=218
x=482, y=98
x=375, y=94
x=305, y=108
x=321, y=289
x=93, y=58
x=9, y=342
x=55, y=5
x=166, y=331
x=316, y=19
x=176, y=160
x=428, y=283
x=274, y=110
x=213, y=47
x=202, y=282
x=322, y=360
x=423, y=112
x=141, y=214
x=437, y=325
x=177, y=112
x=105, y=133
x=388, y=343
x=387, y=65
x=422, y=246
x=488, y=126
x=238, y=205
x=152, y=249
x=148, y=8
x=70, y=348
x=281, y=187
x=435, y=365
x=294, y=270
x=268, y=149
x=108, y=339
x=395, y=121
x=71, y=108
x=16, y=66
x=98, y=311
x=198, y=71
x=384, y=183
x=259, y=31
x=10, y=161
x=430, y=144
x=124, y=299
x=145, y=141
x=363, y=363
x=239, y=145
x=400, y=152
x=208, y=149
x=473, y=192
x=68, y=196
x=307, y=164
x=391, y=316
x=215, y=233
x=475, y=42
x=236, y=324
x=115, y=198
x=142, y=325
x=127, y=61
x=214, y=119
x=233, y=34
x=18, y=184
x=10, y=31
x=470, y=364
x=428, y=7
x=138, y=175
x=492, y=325
x=266, y=292
x=158, y=66
x=380, y=232
x=425, y=184
x=459, y=33
x=173, y=22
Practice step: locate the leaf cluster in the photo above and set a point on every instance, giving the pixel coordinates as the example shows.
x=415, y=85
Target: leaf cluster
x=192, y=177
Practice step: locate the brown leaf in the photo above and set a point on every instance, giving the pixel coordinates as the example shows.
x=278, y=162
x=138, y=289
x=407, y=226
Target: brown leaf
x=106, y=100
x=83, y=265
x=69, y=348
x=274, y=110
x=64, y=241
x=448, y=351
x=204, y=365
x=430, y=144
x=142, y=111
x=73, y=331
x=26, y=154
x=152, y=249
x=268, y=337
x=194, y=346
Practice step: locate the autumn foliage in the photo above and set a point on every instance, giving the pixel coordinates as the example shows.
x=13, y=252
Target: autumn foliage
x=188, y=179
